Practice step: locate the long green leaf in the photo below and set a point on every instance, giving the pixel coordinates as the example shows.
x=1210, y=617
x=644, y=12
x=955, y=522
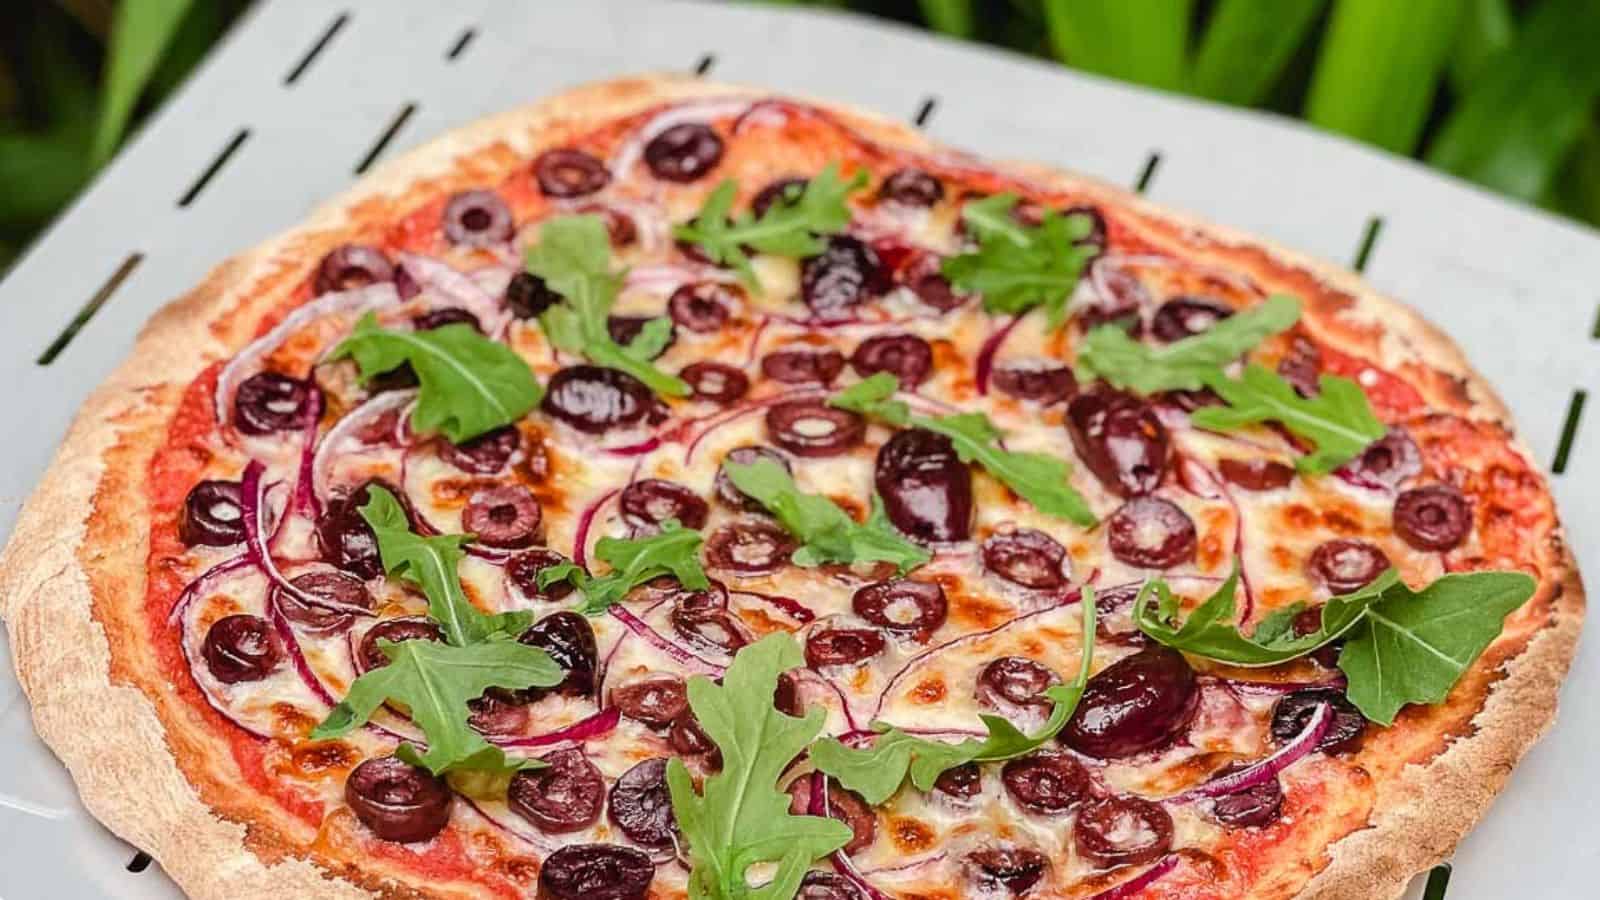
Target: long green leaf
x=1486, y=30
x=953, y=17
x=1246, y=46
x=1379, y=68
x=1144, y=41
x=1522, y=117
x=141, y=33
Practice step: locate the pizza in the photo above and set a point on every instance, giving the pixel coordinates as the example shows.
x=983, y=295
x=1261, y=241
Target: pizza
x=675, y=489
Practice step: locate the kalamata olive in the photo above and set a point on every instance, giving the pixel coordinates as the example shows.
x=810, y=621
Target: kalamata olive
x=352, y=266
x=641, y=807
x=749, y=547
x=524, y=568
x=935, y=290
x=842, y=646
x=707, y=628
x=566, y=173
x=499, y=713
x=703, y=308
x=911, y=187
x=485, y=454
x=568, y=638
x=1386, y=462
x=1293, y=713
x=902, y=605
x=1014, y=686
x=905, y=356
x=446, y=315
x=1179, y=318
x=689, y=739
x=596, y=872
x=1151, y=533
x=683, y=152
x=398, y=801
x=1256, y=474
x=528, y=296
x=731, y=495
x=1138, y=703
x=1097, y=225
x=1255, y=806
x=654, y=699
x=241, y=648
x=1119, y=438
x=593, y=399
x=1113, y=620
x=1346, y=565
x=564, y=796
x=370, y=656
x=504, y=515
x=803, y=366
x=625, y=329
x=813, y=428
x=1301, y=367
x=962, y=782
x=787, y=190
x=844, y=805
x=1121, y=831
x=818, y=885
x=1045, y=385
x=650, y=502
x=715, y=382
x=1046, y=782
x=1122, y=297
x=344, y=537
x=1026, y=557
x=1433, y=517
x=1189, y=401
x=926, y=488
x=268, y=402
x=1009, y=869
x=339, y=587
x=786, y=696
x=477, y=219
x=844, y=275
x=213, y=515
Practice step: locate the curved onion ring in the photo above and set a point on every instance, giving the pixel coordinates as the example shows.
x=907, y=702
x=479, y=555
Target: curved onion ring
x=444, y=281
x=1206, y=484
x=177, y=616
x=373, y=407
x=1133, y=886
x=790, y=607
x=694, y=111
x=244, y=363
x=253, y=496
x=655, y=639
x=984, y=366
x=580, y=539
x=589, y=727
x=906, y=868
x=1268, y=768
x=713, y=422
x=291, y=643
x=818, y=806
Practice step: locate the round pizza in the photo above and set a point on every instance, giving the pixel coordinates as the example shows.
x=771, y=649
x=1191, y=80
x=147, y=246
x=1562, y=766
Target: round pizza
x=671, y=489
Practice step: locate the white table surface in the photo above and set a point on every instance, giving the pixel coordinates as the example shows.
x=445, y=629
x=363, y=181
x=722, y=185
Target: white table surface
x=1517, y=288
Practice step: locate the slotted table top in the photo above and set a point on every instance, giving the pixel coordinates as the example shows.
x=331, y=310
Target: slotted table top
x=304, y=95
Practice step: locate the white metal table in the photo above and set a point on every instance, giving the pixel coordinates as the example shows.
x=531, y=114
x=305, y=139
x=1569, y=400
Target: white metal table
x=304, y=95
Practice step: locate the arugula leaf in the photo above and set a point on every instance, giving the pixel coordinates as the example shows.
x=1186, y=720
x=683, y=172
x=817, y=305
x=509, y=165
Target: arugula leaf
x=739, y=818
x=1412, y=647
x=469, y=383
x=1339, y=420
x=1209, y=630
x=435, y=681
x=431, y=562
x=1018, y=267
x=877, y=772
x=1109, y=353
x=1039, y=478
x=674, y=551
x=788, y=228
x=573, y=257
x=826, y=532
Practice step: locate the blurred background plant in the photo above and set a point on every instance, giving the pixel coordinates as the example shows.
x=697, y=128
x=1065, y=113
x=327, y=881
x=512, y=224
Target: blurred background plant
x=1500, y=92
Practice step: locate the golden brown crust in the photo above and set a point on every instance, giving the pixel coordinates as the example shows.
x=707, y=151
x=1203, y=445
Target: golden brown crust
x=81, y=540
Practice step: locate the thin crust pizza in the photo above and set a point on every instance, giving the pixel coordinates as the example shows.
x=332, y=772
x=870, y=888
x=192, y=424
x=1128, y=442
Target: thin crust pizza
x=673, y=489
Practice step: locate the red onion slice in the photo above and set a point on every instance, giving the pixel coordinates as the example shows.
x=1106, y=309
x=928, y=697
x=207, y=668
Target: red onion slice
x=789, y=606
x=901, y=870
x=253, y=496
x=445, y=282
x=291, y=644
x=703, y=111
x=246, y=362
x=712, y=423
x=1268, y=768
x=655, y=639
x=1199, y=480
x=179, y=616
x=984, y=367
x=353, y=421
x=1131, y=887
x=818, y=806
x=545, y=844
x=203, y=581
x=638, y=449
x=305, y=496
x=601, y=723
x=580, y=539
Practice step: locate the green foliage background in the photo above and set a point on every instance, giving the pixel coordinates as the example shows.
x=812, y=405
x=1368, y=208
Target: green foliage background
x=1500, y=92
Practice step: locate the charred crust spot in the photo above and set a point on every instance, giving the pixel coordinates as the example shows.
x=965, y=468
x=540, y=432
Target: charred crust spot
x=910, y=835
x=929, y=690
